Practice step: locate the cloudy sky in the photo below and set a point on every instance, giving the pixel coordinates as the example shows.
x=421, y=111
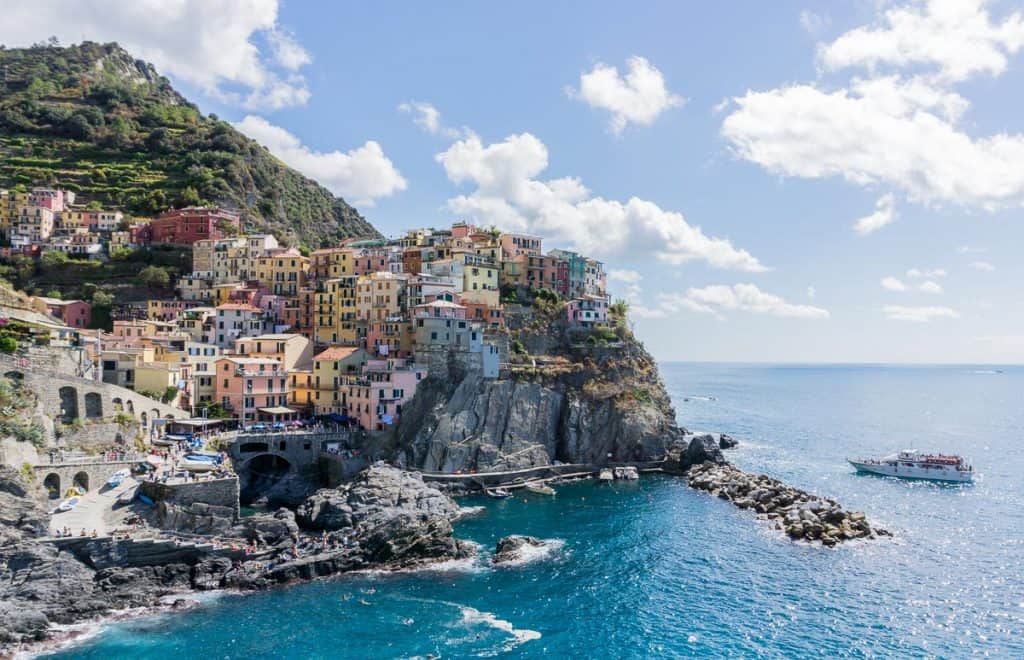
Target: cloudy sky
x=784, y=181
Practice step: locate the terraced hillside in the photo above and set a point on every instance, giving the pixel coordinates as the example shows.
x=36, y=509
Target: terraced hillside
x=95, y=120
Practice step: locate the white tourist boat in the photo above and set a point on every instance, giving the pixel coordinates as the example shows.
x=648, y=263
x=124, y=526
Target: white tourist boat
x=911, y=464
x=540, y=488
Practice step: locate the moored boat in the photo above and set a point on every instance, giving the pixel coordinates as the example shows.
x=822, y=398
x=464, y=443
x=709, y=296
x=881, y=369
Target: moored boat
x=605, y=475
x=499, y=493
x=67, y=505
x=540, y=489
x=911, y=464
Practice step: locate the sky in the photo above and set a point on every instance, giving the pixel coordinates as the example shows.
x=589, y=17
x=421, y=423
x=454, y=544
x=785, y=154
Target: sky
x=765, y=182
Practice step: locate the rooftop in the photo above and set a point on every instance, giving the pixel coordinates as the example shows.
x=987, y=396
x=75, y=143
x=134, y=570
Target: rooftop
x=336, y=353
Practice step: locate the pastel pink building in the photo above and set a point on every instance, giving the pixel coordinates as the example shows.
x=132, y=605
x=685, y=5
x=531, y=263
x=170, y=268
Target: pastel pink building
x=74, y=313
x=376, y=397
x=252, y=389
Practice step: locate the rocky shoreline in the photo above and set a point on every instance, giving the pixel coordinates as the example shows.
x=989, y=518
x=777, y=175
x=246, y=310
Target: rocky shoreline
x=797, y=513
x=386, y=519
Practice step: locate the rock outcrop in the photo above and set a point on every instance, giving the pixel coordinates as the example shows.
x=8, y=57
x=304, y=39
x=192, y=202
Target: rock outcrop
x=386, y=518
x=392, y=515
x=798, y=513
x=599, y=407
x=510, y=548
x=701, y=448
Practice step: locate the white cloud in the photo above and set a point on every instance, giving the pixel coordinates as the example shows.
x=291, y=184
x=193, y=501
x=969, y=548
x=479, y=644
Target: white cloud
x=811, y=292
x=871, y=138
x=885, y=213
x=901, y=129
x=361, y=175
x=957, y=37
x=428, y=118
x=983, y=266
x=969, y=249
x=893, y=284
x=919, y=273
x=231, y=49
x=719, y=298
x=624, y=275
x=721, y=106
x=639, y=97
x=287, y=51
x=813, y=22
x=918, y=314
x=509, y=195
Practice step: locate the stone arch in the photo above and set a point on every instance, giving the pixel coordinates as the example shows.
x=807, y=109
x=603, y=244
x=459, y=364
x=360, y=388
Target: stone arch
x=119, y=438
x=154, y=414
x=81, y=481
x=68, y=404
x=144, y=418
x=117, y=403
x=52, y=485
x=93, y=405
x=15, y=375
x=130, y=406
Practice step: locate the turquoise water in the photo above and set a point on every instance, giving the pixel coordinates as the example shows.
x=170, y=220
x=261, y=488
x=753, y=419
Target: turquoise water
x=655, y=569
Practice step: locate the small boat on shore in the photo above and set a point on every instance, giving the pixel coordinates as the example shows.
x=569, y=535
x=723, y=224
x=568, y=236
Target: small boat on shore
x=498, y=493
x=626, y=473
x=540, y=489
x=911, y=464
x=115, y=479
x=605, y=475
x=67, y=505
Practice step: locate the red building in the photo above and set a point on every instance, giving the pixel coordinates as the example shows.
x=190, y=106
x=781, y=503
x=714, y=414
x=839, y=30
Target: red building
x=74, y=313
x=186, y=226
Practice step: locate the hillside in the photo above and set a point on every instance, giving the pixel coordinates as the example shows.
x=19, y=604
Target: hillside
x=93, y=119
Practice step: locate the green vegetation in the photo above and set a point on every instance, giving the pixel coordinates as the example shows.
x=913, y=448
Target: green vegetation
x=16, y=403
x=518, y=348
x=213, y=411
x=93, y=119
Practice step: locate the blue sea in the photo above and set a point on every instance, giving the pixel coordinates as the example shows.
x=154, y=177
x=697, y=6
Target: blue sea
x=654, y=569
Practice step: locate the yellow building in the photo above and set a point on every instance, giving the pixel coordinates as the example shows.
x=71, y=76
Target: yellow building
x=157, y=377
x=283, y=274
x=381, y=295
x=302, y=390
x=330, y=263
x=329, y=371
x=291, y=350
x=336, y=319
x=480, y=280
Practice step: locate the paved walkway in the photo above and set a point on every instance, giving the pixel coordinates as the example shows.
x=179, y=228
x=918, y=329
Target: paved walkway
x=94, y=511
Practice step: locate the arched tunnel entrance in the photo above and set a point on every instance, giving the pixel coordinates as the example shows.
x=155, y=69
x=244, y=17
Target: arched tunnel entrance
x=52, y=485
x=259, y=475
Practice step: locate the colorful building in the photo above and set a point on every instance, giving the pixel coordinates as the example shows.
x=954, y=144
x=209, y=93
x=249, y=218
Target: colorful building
x=183, y=227
x=252, y=389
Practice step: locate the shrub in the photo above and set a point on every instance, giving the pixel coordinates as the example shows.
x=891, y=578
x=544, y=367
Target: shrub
x=518, y=348
x=8, y=344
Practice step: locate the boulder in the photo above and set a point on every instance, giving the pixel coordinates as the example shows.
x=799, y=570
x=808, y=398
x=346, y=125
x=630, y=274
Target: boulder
x=510, y=548
x=702, y=448
x=726, y=441
x=393, y=517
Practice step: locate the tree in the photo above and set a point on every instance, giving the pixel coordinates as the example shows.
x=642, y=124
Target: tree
x=54, y=293
x=155, y=277
x=8, y=344
x=102, y=299
x=188, y=197
x=53, y=260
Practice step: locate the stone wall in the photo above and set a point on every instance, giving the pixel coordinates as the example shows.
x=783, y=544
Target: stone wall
x=69, y=397
x=214, y=492
x=101, y=434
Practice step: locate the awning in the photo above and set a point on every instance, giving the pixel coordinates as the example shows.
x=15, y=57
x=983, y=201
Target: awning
x=196, y=422
x=276, y=411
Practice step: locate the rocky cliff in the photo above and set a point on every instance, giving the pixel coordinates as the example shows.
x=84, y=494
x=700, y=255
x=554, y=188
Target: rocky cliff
x=563, y=397
x=384, y=519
